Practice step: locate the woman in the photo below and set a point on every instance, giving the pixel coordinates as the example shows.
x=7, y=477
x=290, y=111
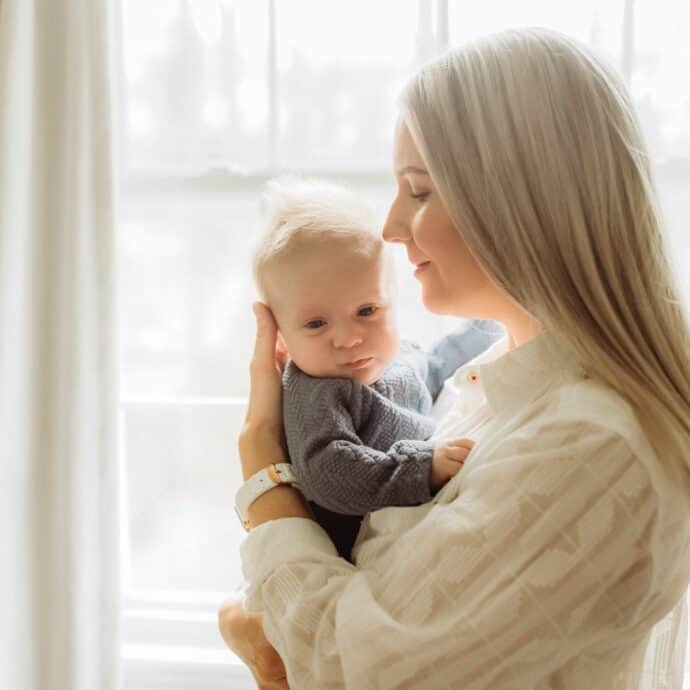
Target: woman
x=524, y=196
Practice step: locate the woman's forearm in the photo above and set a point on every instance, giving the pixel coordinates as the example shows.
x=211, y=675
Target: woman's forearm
x=258, y=449
x=283, y=501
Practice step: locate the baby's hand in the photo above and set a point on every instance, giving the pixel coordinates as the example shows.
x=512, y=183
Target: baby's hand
x=448, y=460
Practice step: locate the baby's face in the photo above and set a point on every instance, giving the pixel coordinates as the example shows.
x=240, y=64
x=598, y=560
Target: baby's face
x=334, y=309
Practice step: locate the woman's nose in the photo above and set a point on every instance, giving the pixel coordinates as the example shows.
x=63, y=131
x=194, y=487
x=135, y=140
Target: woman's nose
x=394, y=228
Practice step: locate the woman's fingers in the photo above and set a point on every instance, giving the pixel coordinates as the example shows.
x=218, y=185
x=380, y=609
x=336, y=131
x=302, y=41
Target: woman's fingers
x=234, y=624
x=281, y=684
x=265, y=391
x=267, y=663
x=243, y=633
x=265, y=345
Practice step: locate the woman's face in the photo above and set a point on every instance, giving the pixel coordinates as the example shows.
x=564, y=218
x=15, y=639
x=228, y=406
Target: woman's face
x=452, y=281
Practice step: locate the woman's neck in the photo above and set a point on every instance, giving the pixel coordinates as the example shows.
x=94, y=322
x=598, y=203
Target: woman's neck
x=521, y=328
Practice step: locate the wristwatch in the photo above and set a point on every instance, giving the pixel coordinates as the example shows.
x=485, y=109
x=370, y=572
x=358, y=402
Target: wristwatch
x=258, y=484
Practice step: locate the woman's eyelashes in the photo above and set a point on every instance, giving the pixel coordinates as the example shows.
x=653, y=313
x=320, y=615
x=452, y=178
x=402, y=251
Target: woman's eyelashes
x=419, y=196
x=315, y=324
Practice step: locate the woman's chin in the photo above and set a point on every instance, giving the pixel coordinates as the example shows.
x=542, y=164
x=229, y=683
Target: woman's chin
x=433, y=304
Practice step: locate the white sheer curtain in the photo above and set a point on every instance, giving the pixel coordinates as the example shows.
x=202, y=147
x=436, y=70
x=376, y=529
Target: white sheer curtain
x=59, y=586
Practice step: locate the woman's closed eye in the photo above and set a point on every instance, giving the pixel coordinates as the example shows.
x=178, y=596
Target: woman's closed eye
x=419, y=196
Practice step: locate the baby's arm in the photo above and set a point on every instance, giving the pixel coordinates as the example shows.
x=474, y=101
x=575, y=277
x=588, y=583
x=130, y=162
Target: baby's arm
x=457, y=348
x=349, y=478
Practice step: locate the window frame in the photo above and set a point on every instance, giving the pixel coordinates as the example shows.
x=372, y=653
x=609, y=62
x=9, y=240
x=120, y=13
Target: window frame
x=153, y=622
x=172, y=642
x=170, y=639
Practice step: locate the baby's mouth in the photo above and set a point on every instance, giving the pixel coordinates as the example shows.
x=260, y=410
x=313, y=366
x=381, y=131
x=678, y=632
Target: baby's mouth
x=359, y=363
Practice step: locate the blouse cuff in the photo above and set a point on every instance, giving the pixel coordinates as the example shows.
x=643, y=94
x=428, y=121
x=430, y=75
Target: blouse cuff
x=275, y=542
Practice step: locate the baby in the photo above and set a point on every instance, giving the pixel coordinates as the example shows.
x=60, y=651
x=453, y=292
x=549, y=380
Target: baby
x=356, y=397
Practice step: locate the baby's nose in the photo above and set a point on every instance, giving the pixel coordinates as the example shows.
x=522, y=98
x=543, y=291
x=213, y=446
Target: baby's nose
x=347, y=339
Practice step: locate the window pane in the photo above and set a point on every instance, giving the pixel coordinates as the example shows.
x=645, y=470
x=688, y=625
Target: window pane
x=661, y=92
x=340, y=68
x=186, y=291
x=196, y=88
x=592, y=21
x=673, y=182
x=183, y=471
x=660, y=82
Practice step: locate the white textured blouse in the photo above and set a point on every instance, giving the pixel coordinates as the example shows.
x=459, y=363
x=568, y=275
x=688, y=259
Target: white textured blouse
x=558, y=557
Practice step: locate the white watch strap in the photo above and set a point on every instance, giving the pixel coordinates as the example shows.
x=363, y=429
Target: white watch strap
x=258, y=484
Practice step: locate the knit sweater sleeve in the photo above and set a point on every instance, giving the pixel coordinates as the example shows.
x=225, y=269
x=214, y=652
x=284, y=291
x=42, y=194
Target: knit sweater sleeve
x=334, y=467
x=449, y=353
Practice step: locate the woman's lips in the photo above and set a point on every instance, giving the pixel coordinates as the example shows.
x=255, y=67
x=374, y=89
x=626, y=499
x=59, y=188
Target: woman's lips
x=421, y=267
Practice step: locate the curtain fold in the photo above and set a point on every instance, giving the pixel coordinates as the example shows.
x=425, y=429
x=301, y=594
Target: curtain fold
x=59, y=581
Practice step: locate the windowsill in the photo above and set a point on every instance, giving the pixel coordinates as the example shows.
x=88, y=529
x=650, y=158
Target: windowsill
x=171, y=642
x=159, y=667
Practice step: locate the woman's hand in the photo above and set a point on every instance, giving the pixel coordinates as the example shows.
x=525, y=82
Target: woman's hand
x=262, y=439
x=243, y=632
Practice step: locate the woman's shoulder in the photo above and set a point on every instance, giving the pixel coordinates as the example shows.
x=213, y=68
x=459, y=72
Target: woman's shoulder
x=591, y=422
x=577, y=420
x=592, y=403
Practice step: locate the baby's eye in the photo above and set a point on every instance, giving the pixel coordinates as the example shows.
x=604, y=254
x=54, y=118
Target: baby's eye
x=364, y=309
x=316, y=323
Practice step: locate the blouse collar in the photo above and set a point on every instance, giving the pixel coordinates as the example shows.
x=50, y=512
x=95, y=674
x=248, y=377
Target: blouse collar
x=512, y=378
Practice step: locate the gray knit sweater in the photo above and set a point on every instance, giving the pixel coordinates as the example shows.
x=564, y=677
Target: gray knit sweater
x=357, y=448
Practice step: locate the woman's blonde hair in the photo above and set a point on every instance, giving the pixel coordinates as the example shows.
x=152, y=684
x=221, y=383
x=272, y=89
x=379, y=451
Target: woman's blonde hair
x=535, y=150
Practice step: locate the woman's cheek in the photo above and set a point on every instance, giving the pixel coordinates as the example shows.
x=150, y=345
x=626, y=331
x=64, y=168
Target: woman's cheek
x=424, y=221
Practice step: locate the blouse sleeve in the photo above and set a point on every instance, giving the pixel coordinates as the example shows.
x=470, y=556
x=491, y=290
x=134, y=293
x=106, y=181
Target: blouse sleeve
x=542, y=557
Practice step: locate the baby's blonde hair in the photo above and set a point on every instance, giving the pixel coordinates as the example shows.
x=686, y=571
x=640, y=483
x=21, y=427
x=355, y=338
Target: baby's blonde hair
x=535, y=149
x=305, y=214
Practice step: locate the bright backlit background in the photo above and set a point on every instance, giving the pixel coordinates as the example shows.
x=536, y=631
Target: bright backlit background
x=218, y=96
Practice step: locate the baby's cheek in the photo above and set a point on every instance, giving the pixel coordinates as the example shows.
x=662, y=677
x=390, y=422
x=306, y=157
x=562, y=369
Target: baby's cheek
x=393, y=344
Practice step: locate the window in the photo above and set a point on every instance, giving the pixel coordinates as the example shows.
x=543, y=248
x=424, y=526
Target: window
x=217, y=96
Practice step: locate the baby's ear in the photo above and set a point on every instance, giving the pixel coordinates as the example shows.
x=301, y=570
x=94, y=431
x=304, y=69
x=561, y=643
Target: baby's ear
x=282, y=355
x=280, y=345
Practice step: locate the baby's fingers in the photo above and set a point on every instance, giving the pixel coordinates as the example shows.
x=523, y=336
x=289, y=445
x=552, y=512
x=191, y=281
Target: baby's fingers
x=467, y=443
x=456, y=453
